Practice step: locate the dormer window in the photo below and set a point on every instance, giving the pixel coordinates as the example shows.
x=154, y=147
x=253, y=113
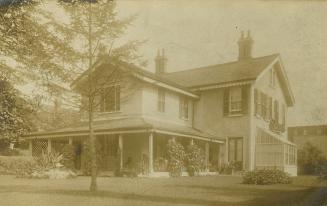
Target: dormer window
x=110, y=99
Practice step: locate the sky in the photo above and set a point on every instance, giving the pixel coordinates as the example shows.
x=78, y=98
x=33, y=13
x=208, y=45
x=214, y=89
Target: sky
x=199, y=33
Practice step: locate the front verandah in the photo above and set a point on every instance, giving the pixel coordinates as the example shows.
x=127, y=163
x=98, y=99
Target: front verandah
x=144, y=152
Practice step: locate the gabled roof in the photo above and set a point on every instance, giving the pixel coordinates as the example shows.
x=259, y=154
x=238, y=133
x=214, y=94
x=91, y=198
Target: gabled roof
x=139, y=73
x=222, y=73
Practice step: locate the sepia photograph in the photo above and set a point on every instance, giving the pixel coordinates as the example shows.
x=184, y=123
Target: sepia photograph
x=162, y=102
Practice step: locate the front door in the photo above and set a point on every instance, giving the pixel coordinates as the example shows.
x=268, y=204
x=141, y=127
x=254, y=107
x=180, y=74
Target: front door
x=235, y=152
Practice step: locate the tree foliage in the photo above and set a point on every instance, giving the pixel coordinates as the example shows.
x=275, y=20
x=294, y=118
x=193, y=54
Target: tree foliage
x=16, y=114
x=310, y=159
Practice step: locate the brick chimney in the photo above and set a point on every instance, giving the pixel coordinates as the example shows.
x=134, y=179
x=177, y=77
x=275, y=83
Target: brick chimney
x=245, y=47
x=161, y=62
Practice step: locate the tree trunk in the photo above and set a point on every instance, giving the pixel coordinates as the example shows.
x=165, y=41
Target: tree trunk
x=93, y=186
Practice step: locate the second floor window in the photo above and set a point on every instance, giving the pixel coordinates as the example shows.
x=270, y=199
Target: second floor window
x=110, y=99
x=183, y=108
x=235, y=100
x=161, y=100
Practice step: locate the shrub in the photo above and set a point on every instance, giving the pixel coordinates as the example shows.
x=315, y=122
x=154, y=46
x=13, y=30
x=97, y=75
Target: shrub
x=194, y=159
x=266, y=177
x=10, y=152
x=310, y=159
x=49, y=160
x=18, y=166
x=53, y=173
x=176, y=156
x=69, y=156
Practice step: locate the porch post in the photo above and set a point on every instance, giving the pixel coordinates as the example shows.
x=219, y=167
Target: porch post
x=207, y=156
x=30, y=147
x=120, y=144
x=191, y=142
x=70, y=141
x=49, y=146
x=151, y=153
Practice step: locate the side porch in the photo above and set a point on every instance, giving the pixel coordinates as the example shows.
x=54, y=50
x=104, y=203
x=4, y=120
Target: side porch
x=274, y=152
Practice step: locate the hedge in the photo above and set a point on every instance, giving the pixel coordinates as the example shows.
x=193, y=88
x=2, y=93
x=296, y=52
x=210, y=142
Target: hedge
x=16, y=165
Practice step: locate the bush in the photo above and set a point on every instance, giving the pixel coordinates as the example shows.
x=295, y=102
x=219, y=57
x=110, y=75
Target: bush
x=68, y=156
x=18, y=166
x=310, y=159
x=194, y=159
x=49, y=160
x=9, y=152
x=53, y=173
x=266, y=177
x=176, y=156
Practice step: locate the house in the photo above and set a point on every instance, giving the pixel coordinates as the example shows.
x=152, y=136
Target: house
x=236, y=112
x=314, y=134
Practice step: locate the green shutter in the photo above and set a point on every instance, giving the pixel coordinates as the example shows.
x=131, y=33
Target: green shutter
x=226, y=102
x=244, y=99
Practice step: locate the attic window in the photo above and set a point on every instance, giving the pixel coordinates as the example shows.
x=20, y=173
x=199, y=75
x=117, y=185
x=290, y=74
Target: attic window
x=272, y=79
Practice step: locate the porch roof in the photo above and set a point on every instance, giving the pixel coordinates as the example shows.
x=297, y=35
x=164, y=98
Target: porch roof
x=278, y=137
x=126, y=126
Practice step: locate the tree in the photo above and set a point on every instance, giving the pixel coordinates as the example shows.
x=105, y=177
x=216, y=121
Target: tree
x=96, y=29
x=56, y=52
x=16, y=114
x=310, y=159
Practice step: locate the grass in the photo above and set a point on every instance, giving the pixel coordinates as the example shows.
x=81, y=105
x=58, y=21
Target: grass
x=213, y=190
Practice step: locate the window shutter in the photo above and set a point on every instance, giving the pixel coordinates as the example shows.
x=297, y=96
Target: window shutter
x=244, y=99
x=284, y=114
x=226, y=102
x=264, y=105
x=276, y=108
x=259, y=100
x=255, y=101
x=270, y=112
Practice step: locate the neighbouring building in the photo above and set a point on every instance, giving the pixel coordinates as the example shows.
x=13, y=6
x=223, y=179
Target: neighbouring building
x=236, y=112
x=314, y=134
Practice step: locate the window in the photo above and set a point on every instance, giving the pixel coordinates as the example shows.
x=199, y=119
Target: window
x=272, y=79
x=183, y=107
x=161, y=100
x=276, y=111
x=110, y=99
x=235, y=100
x=235, y=149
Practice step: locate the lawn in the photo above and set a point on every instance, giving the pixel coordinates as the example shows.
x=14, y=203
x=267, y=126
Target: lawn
x=213, y=190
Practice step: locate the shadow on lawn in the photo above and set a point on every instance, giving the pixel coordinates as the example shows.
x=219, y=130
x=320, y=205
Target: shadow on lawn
x=313, y=196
